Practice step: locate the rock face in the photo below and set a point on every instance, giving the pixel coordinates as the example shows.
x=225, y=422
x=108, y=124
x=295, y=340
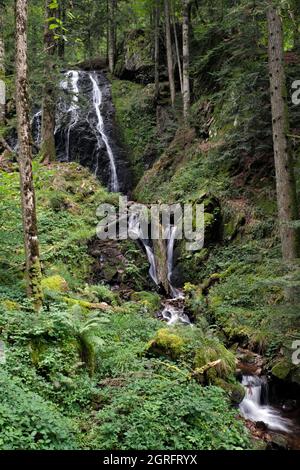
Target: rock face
x=77, y=133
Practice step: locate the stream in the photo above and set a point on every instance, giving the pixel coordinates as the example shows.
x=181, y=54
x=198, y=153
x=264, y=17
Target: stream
x=85, y=133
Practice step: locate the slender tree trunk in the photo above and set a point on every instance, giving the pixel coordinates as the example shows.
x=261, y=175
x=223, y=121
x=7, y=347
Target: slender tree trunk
x=285, y=182
x=112, y=5
x=169, y=51
x=49, y=98
x=178, y=54
x=156, y=48
x=186, y=59
x=2, y=69
x=33, y=267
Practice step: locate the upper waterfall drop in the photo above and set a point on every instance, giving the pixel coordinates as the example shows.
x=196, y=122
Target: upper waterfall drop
x=97, y=101
x=85, y=130
x=72, y=77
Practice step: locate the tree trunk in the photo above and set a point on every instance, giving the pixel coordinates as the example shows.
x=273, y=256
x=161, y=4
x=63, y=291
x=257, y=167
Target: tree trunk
x=186, y=59
x=285, y=182
x=156, y=48
x=169, y=52
x=2, y=69
x=112, y=5
x=178, y=54
x=33, y=267
x=49, y=98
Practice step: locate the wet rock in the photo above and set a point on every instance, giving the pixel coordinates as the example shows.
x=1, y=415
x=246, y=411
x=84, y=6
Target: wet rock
x=278, y=442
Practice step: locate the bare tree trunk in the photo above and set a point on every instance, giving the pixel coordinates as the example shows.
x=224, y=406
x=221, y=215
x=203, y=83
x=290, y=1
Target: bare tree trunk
x=2, y=69
x=48, y=111
x=169, y=52
x=112, y=5
x=186, y=59
x=33, y=267
x=156, y=48
x=178, y=54
x=285, y=182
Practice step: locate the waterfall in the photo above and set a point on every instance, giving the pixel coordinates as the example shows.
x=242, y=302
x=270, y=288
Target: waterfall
x=72, y=77
x=97, y=101
x=254, y=408
x=84, y=129
x=36, y=124
x=171, y=236
x=135, y=232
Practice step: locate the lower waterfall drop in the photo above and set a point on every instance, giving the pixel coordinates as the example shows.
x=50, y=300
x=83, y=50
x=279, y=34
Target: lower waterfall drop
x=254, y=409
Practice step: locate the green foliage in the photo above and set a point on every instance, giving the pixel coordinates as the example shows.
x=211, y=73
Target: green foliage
x=28, y=422
x=166, y=414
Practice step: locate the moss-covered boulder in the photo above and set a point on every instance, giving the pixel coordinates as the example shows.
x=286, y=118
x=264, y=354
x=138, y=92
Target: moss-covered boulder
x=213, y=351
x=235, y=391
x=166, y=343
x=282, y=369
x=150, y=300
x=54, y=285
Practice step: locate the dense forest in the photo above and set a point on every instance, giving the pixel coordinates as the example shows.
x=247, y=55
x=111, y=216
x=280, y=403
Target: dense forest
x=149, y=225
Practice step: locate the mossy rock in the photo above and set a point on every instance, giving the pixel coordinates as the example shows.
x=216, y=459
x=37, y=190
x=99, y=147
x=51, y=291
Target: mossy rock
x=150, y=300
x=213, y=352
x=281, y=369
x=235, y=391
x=10, y=305
x=166, y=344
x=233, y=225
x=54, y=284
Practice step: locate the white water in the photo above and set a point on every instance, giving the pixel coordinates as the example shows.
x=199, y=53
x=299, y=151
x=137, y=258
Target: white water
x=171, y=236
x=252, y=408
x=97, y=101
x=72, y=78
x=135, y=231
x=174, y=314
x=37, y=117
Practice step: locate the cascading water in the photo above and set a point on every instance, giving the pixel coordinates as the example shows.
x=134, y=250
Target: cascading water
x=135, y=231
x=97, y=101
x=255, y=408
x=173, y=311
x=72, y=78
x=85, y=131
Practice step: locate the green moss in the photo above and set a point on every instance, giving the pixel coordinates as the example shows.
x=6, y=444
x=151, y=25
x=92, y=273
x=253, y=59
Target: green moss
x=54, y=283
x=235, y=391
x=10, y=305
x=282, y=369
x=213, y=351
x=151, y=301
x=166, y=343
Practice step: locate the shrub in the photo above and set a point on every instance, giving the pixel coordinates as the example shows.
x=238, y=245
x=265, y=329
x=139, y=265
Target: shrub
x=166, y=414
x=28, y=422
